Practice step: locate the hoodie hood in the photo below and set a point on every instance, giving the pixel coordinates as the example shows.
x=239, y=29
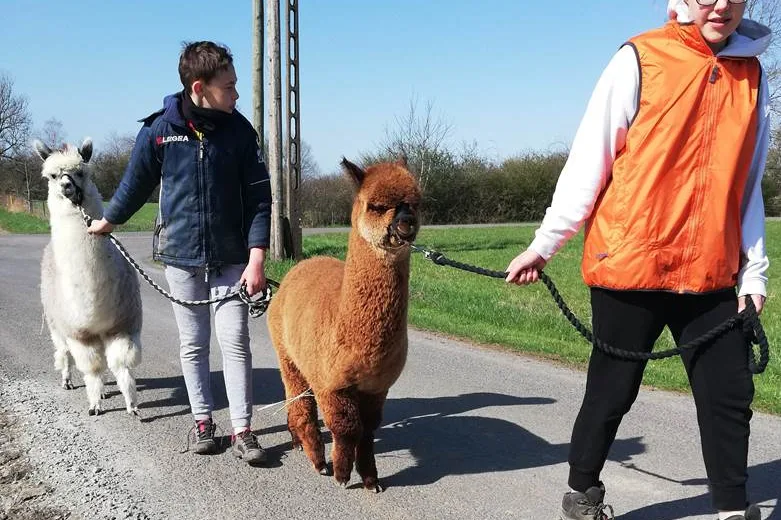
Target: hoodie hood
x=749, y=40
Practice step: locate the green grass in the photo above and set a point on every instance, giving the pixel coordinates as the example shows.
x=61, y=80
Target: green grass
x=526, y=319
x=25, y=223
x=143, y=220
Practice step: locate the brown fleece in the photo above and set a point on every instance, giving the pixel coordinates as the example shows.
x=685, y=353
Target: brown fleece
x=340, y=328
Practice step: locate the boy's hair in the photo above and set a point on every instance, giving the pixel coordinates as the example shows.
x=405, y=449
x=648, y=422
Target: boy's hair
x=202, y=61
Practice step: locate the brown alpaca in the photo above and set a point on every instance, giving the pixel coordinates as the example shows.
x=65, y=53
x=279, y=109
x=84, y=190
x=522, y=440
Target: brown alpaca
x=340, y=328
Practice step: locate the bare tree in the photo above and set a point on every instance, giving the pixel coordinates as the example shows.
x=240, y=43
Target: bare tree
x=420, y=136
x=15, y=121
x=111, y=161
x=53, y=133
x=309, y=166
x=768, y=12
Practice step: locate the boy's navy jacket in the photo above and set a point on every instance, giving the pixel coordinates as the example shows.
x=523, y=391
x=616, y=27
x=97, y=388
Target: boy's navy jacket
x=215, y=196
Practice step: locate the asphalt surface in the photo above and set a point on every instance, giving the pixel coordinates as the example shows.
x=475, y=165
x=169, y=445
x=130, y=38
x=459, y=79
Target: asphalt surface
x=468, y=432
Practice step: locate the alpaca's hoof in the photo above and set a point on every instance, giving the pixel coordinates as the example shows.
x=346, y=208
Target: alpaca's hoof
x=67, y=384
x=342, y=485
x=94, y=411
x=324, y=471
x=133, y=412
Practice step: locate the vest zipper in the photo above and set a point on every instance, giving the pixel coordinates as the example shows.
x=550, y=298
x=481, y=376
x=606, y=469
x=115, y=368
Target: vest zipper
x=702, y=171
x=714, y=73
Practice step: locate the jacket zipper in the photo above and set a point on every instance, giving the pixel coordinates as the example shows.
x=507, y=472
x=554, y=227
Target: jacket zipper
x=201, y=186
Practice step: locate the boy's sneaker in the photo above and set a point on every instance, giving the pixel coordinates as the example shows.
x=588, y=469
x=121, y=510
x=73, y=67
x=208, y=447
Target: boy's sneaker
x=752, y=513
x=246, y=447
x=585, y=506
x=203, y=437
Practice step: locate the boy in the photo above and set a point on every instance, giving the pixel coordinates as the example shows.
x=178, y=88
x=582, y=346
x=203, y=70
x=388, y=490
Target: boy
x=667, y=167
x=212, y=230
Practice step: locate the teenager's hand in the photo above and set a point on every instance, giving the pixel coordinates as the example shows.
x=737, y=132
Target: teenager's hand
x=253, y=274
x=759, y=302
x=100, y=227
x=525, y=268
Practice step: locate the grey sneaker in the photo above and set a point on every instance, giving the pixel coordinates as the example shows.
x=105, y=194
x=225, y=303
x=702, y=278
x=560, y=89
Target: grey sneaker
x=752, y=513
x=203, y=437
x=246, y=447
x=585, y=506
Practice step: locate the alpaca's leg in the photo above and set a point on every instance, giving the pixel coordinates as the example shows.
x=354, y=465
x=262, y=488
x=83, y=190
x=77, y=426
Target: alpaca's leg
x=341, y=415
x=94, y=384
x=302, y=416
x=63, y=361
x=370, y=407
x=91, y=362
x=123, y=353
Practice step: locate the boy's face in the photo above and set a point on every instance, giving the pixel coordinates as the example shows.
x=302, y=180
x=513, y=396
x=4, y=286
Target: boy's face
x=219, y=93
x=718, y=21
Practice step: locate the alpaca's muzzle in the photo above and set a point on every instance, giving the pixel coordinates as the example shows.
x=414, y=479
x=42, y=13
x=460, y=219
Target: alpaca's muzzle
x=71, y=191
x=405, y=224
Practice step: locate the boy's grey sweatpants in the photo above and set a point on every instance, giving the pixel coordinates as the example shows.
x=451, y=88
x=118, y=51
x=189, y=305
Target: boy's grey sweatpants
x=232, y=330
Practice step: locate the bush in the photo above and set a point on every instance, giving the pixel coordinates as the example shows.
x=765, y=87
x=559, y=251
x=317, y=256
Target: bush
x=455, y=190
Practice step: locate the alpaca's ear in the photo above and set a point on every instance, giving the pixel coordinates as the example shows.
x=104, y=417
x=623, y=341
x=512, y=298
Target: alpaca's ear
x=85, y=150
x=355, y=171
x=41, y=149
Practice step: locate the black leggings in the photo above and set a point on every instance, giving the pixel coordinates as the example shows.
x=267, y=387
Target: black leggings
x=722, y=385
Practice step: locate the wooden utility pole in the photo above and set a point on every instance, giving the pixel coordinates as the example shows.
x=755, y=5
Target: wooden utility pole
x=275, y=131
x=257, y=73
x=293, y=148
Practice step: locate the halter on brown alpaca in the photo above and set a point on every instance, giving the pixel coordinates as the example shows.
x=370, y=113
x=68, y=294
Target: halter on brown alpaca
x=340, y=328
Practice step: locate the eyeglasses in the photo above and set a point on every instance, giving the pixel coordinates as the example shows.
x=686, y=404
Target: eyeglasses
x=708, y=3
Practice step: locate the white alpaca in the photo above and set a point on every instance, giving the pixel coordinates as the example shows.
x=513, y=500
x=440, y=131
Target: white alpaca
x=89, y=292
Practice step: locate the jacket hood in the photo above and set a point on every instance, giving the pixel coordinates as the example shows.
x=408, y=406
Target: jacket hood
x=172, y=112
x=750, y=39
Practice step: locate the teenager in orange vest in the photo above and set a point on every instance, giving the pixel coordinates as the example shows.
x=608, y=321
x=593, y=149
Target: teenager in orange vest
x=665, y=171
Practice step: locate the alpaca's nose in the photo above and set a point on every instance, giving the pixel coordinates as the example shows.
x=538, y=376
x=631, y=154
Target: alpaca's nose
x=68, y=189
x=405, y=224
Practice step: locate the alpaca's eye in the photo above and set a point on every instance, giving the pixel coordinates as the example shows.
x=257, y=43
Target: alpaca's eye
x=377, y=208
x=53, y=176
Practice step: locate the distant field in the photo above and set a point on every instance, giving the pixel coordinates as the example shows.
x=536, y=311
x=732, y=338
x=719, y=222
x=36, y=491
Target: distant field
x=144, y=220
x=26, y=223
x=22, y=223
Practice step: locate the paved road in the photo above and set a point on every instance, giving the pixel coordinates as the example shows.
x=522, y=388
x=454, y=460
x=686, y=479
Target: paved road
x=469, y=432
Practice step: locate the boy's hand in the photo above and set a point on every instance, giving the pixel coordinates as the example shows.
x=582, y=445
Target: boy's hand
x=524, y=268
x=759, y=302
x=100, y=227
x=253, y=274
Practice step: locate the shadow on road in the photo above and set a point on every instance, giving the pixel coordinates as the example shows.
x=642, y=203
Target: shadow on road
x=266, y=388
x=441, y=442
x=763, y=486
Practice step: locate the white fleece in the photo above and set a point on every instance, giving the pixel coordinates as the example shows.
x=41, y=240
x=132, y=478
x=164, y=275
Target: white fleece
x=602, y=134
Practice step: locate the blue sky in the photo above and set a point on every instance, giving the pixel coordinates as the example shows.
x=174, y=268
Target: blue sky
x=509, y=75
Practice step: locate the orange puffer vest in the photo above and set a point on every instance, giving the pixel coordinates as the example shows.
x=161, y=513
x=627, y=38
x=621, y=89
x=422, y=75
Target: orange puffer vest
x=670, y=217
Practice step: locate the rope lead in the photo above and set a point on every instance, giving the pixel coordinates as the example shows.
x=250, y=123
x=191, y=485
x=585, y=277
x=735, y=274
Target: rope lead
x=748, y=320
x=257, y=306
